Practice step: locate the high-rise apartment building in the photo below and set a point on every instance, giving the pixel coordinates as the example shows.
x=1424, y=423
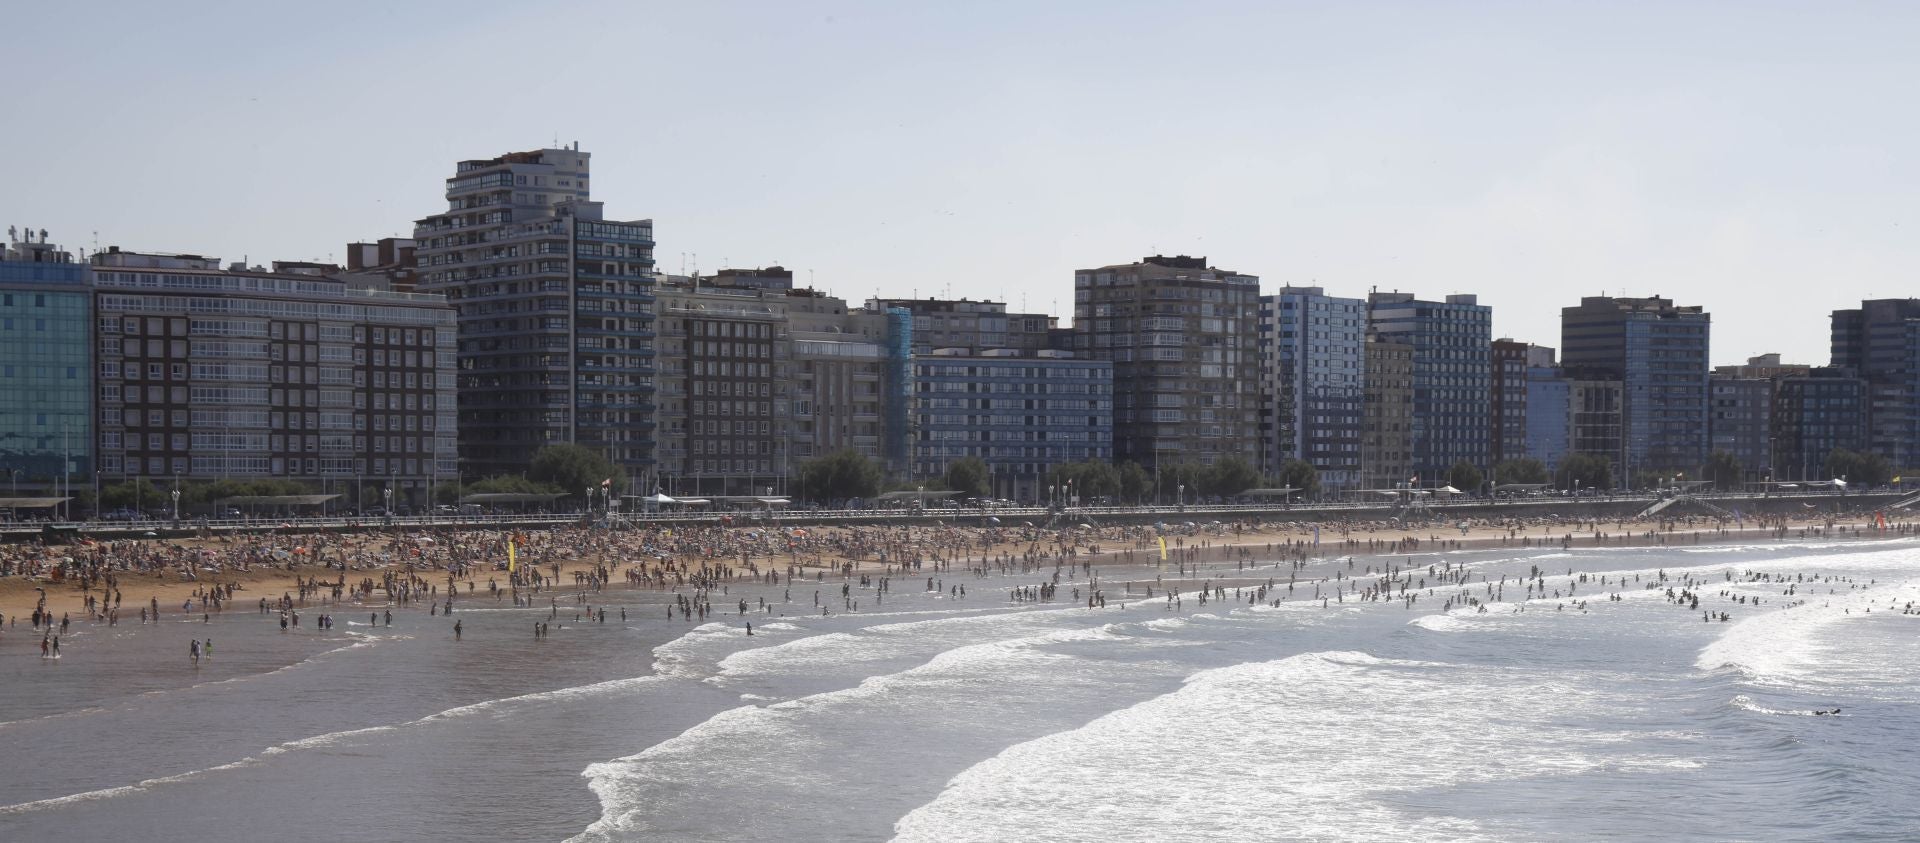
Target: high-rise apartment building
x=46, y=368
x=724, y=389
x=1742, y=421
x=1596, y=419
x=988, y=384
x=1813, y=414
x=1880, y=342
x=555, y=310
x=1181, y=336
x=1549, y=418
x=1658, y=352
x=208, y=373
x=1386, y=446
x=852, y=379
x=1020, y=412
x=1509, y=423
x=1452, y=376
x=1313, y=383
x=974, y=325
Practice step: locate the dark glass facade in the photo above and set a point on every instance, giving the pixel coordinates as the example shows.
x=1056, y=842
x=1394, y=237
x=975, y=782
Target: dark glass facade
x=46, y=382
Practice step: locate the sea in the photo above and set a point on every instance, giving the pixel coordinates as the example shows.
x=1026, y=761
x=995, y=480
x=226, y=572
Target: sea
x=1576, y=709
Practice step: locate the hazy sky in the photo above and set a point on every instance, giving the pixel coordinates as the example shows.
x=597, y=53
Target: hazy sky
x=1755, y=158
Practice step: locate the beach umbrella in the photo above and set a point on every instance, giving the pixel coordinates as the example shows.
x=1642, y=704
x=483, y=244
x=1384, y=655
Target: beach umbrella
x=992, y=520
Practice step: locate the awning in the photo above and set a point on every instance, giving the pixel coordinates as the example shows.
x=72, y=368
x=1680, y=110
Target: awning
x=917, y=495
x=31, y=503
x=510, y=497
x=276, y=500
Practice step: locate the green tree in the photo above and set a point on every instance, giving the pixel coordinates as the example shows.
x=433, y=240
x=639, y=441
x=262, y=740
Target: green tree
x=1299, y=474
x=129, y=494
x=1177, y=475
x=1723, y=470
x=841, y=475
x=1134, y=481
x=1520, y=470
x=1465, y=477
x=968, y=476
x=574, y=469
x=1859, y=469
x=1589, y=471
x=508, y=484
x=1229, y=476
x=1086, y=480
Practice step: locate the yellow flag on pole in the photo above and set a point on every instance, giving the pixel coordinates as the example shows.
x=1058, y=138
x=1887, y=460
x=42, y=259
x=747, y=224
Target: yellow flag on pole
x=512, y=562
x=1163, y=548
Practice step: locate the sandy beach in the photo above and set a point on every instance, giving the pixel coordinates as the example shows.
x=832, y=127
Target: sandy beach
x=176, y=575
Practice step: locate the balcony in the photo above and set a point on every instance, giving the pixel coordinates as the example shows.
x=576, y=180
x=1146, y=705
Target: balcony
x=597, y=275
x=631, y=333
x=622, y=295
x=625, y=388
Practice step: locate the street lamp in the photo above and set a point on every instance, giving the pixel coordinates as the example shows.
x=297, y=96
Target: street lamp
x=1180, y=496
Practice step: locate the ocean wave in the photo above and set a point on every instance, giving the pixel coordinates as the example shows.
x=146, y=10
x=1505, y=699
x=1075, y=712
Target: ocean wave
x=123, y=790
x=1746, y=703
x=1324, y=734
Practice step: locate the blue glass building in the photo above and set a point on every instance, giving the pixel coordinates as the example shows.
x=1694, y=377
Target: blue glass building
x=46, y=375
x=1021, y=415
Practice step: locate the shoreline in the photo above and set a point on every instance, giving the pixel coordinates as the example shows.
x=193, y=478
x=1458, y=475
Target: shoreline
x=576, y=554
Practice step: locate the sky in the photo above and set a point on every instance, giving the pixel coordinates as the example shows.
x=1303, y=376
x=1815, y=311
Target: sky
x=1755, y=158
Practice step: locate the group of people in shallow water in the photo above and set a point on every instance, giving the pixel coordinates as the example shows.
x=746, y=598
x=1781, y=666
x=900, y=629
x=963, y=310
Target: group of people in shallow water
x=697, y=565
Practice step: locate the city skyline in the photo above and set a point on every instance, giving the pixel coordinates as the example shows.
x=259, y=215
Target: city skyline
x=1358, y=148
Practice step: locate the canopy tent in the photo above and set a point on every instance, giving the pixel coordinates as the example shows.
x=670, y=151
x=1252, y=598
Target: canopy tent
x=1447, y=490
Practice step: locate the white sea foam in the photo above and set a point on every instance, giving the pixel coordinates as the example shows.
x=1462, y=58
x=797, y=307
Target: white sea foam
x=111, y=792
x=1324, y=736
x=1783, y=645
x=782, y=744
